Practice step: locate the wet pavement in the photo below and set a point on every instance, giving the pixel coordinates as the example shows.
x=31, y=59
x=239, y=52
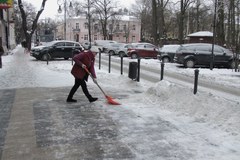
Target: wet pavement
x=37, y=123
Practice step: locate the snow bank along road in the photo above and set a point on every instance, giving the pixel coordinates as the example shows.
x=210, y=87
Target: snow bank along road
x=152, y=73
x=163, y=122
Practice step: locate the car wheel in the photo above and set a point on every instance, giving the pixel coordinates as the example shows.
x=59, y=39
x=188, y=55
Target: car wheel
x=46, y=57
x=111, y=52
x=165, y=60
x=134, y=56
x=66, y=58
x=189, y=63
x=121, y=54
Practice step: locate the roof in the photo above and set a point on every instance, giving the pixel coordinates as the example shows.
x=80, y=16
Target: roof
x=201, y=34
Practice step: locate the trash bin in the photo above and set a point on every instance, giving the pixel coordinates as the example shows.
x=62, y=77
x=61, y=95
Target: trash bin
x=132, y=72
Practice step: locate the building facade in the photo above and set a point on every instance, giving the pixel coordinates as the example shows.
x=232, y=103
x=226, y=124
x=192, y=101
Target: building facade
x=7, y=29
x=126, y=30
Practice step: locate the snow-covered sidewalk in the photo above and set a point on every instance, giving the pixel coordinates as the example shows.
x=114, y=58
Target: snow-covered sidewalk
x=163, y=115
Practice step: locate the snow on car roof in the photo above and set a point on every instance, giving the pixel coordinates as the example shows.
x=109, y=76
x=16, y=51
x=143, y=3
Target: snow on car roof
x=201, y=34
x=170, y=48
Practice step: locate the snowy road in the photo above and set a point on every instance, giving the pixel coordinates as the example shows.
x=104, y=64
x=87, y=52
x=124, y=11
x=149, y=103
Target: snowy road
x=152, y=73
x=160, y=121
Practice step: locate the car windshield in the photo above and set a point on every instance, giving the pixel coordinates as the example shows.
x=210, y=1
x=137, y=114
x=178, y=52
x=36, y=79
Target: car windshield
x=169, y=48
x=50, y=43
x=227, y=51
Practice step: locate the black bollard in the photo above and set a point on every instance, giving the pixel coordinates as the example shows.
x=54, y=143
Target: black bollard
x=121, y=64
x=196, y=72
x=47, y=58
x=162, y=70
x=100, y=51
x=72, y=56
x=109, y=64
x=138, y=75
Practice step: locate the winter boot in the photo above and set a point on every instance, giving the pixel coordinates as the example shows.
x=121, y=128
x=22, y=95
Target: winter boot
x=92, y=99
x=71, y=100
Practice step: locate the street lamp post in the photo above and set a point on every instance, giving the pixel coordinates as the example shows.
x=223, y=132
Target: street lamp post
x=64, y=3
x=214, y=35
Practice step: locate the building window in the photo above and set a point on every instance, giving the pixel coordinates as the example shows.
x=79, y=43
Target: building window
x=96, y=27
x=134, y=27
x=110, y=27
x=124, y=27
x=77, y=25
x=133, y=38
x=117, y=27
x=86, y=37
x=95, y=37
x=86, y=25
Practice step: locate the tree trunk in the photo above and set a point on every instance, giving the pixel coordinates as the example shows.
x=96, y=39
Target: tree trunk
x=220, y=31
x=233, y=31
x=29, y=32
x=197, y=15
x=154, y=22
x=181, y=19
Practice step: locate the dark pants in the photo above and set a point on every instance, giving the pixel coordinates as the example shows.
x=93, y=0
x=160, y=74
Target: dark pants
x=0, y=62
x=82, y=83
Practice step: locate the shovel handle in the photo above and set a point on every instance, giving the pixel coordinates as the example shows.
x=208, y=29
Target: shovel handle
x=85, y=68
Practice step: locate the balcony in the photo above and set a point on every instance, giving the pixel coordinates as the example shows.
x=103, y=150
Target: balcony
x=76, y=30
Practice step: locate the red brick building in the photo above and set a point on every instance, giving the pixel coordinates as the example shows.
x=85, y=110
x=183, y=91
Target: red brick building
x=201, y=37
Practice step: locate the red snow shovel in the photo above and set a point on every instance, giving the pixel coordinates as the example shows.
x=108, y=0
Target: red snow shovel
x=109, y=99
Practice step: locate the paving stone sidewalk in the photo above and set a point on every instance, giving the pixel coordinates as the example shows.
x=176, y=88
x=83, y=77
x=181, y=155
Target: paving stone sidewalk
x=37, y=124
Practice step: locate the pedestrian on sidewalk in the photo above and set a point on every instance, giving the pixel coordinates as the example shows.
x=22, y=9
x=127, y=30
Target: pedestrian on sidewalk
x=1, y=53
x=84, y=59
x=24, y=45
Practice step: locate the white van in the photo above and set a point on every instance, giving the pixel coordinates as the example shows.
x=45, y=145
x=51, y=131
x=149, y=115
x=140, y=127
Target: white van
x=103, y=42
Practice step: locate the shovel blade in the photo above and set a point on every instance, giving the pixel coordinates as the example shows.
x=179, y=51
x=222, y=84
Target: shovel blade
x=111, y=101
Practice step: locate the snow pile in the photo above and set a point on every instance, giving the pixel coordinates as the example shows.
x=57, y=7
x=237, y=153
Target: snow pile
x=203, y=106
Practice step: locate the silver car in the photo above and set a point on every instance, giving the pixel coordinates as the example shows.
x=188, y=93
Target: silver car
x=112, y=48
x=123, y=50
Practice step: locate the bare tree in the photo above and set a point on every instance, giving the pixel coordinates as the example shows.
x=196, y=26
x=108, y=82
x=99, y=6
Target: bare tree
x=161, y=21
x=143, y=12
x=29, y=30
x=220, y=31
x=104, y=9
x=154, y=22
x=184, y=4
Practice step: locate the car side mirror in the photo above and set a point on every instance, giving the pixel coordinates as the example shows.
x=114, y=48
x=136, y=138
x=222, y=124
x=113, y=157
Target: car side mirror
x=224, y=53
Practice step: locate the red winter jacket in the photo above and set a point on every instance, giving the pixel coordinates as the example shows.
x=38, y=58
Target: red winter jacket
x=87, y=58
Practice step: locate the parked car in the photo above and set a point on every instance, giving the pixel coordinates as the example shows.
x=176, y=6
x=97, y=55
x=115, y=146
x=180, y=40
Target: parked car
x=123, y=50
x=101, y=43
x=86, y=44
x=55, y=49
x=167, y=52
x=112, y=48
x=144, y=51
x=194, y=54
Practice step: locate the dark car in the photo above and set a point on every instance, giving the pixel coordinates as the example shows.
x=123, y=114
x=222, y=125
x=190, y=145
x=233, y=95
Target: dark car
x=167, y=52
x=194, y=54
x=56, y=49
x=144, y=51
